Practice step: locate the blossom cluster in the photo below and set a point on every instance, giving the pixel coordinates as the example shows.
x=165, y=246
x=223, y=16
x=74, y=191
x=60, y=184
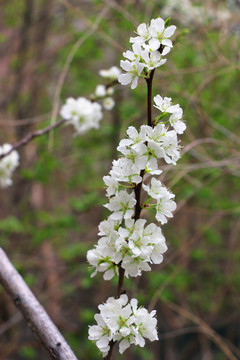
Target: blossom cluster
x=123, y=239
x=123, y=321
x=86, y=114
x=149, y=47
x=104, y=92
x=7, y=165
x=82, y=114
x=133, y=244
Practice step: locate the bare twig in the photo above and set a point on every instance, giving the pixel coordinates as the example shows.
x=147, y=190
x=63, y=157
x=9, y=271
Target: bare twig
x=14, y=320
x=37, y=319
x=33, y=135
x=23, y=122
x=204, y=327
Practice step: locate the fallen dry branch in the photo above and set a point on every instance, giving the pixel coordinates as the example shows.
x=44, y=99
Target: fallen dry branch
x=35, y=315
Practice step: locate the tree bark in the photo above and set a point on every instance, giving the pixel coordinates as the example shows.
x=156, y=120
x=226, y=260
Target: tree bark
x=35, y=315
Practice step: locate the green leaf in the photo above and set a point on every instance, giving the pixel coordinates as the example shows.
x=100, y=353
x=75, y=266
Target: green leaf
x=167, y=22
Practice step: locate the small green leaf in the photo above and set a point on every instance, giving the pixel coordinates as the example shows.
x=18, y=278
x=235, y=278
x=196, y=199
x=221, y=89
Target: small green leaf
x=167, y=22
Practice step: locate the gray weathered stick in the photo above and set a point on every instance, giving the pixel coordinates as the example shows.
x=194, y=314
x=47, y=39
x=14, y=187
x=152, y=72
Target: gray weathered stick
x=37, y=318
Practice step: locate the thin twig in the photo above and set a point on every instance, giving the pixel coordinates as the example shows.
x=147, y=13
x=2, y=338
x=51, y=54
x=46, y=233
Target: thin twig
x=205, y=328
x=35, y=315
x=33, y=135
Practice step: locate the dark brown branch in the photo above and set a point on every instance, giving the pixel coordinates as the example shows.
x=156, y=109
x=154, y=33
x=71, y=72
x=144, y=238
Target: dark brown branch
x=33, y=135
x=137, y=191
x=112, y=83
x=120, y=280
x=109, y=355
x=35, y=315
x=149, y=97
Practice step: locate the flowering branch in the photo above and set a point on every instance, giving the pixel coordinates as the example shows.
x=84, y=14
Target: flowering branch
x=138, y=208
x=138, y=187
x=35, y=315
x=127, y=245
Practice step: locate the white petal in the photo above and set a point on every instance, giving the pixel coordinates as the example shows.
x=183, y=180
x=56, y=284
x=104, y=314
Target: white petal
x=169, y=31
x=125, y=79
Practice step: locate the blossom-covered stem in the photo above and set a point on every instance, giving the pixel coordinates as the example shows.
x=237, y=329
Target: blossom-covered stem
x=149, y=97
x=33, y=135
x=138, y=188
x=120, y=280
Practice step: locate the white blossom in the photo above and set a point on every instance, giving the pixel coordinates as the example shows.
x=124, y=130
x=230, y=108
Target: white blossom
x=146, y=326
x=123, y=321
x=138, y=53
x=111, y=74
x=100, y=258
x=108, y=103
x=132, y=244
x=157, y=133
x=171, y=147
x=153, y=152
x=143, y=34
x=159, y=34
x=178, y=125
x=145, y=55
x=100, y=334
x=112, y=185
x=100, y=90
x=125, y=170
x=110, y=90
x=155, y=189
x=7, y=165
x=82, y=114
x=121, y=205
x=165, y=206
x=154, y=60
x=165, y=104
x=107, y=227
x=133, y=71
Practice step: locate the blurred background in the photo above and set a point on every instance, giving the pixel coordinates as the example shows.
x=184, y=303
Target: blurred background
x=51, y=50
